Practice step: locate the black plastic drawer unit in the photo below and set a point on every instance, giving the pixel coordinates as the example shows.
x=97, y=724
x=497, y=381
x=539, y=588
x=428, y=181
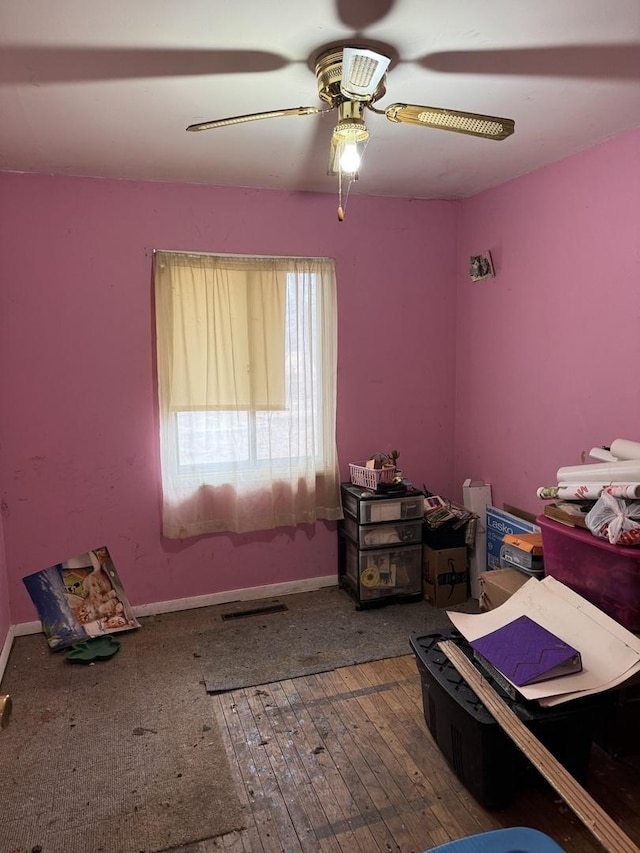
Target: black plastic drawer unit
x=380, y=546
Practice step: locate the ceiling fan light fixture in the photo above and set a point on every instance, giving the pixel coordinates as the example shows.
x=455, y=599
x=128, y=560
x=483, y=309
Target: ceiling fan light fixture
x=362, y=72
x=351, y=80
x=347, y=147
x=351, y=130
x=345, y=157
x=350, y=158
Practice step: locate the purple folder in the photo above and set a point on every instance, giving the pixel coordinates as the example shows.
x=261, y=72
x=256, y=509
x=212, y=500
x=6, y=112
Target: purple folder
x=526, y=653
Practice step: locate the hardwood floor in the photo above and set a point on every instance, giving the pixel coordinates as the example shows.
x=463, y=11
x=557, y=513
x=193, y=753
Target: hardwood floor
x=344, y=762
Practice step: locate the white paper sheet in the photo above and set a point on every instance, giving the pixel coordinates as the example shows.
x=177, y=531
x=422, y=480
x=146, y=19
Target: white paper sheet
x=610, y=653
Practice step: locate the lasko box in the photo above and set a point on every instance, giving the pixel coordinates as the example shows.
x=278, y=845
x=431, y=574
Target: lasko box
x=498, y=524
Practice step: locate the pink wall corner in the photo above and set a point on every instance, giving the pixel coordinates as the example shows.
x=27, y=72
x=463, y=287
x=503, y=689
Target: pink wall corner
x=547, y=351
x=79, y=456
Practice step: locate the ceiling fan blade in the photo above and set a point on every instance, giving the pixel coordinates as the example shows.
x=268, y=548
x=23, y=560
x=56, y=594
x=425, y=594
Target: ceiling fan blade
x=362, y=72
x=474, y=124
x=593, y=61
x=359, y=16
x=224, y=122
x=34, y=64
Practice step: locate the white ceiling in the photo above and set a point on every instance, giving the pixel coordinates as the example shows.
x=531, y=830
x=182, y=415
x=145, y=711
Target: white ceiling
x=107, y=87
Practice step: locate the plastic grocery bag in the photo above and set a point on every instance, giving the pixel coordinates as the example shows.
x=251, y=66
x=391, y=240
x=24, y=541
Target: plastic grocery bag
x=615, y=519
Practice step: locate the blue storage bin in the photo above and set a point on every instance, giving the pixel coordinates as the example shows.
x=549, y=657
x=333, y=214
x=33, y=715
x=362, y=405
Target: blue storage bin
x=517, y=839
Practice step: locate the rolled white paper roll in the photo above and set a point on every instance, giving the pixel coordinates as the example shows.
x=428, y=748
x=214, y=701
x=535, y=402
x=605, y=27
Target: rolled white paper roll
x=624, y=471
x=579, y=491
x=592, y=491
x=602, y=454
x=547, y=493
x=629, y=491
x=589, y=491
x=623, y=448
x=571, y=492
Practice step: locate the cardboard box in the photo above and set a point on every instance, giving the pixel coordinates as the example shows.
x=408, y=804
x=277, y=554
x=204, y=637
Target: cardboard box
x=520, y=513
x=499, y=585
x=571, y=514
x=476, y=496
x=499, y=524
x=523, y=552
x=529, y=542
x=445, y=576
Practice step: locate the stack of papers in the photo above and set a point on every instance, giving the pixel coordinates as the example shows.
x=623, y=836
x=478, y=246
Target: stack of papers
x=610, y=654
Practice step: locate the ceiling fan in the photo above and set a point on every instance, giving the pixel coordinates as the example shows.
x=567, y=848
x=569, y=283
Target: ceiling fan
x=350, y=80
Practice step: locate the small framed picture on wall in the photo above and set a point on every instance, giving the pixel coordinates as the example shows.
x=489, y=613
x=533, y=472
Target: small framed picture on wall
x=481, y=266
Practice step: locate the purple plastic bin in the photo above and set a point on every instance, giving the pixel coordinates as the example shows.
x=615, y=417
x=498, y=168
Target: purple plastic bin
x=606, y=575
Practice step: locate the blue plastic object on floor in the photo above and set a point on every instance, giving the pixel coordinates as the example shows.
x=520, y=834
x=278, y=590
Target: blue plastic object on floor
x=518, y=839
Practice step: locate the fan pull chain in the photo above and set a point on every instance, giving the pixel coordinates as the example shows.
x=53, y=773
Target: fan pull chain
x=342, y=207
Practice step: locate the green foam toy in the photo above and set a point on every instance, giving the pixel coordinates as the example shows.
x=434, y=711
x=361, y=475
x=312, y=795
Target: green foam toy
x=93, y=650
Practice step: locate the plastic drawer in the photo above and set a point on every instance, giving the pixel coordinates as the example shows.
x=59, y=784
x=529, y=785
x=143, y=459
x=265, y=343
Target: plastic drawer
x=391, y=510
x=368, y=508
x=379, y=573
x=383, y=535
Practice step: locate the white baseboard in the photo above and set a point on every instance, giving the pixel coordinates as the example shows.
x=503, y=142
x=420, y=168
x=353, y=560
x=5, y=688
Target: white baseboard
x=6, y=648
x=250, y=594
x=141, y=610
x=24, y=628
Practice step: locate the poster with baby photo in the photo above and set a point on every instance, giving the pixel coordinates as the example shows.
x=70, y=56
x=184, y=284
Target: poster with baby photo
x=80, y=598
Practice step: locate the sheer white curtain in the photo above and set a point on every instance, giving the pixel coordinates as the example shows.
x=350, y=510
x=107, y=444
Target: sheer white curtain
x=246, y=362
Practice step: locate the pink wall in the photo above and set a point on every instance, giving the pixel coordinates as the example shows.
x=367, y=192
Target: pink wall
x=78, y=430
x=5, y=614
x=548, y=351
x=544, y=367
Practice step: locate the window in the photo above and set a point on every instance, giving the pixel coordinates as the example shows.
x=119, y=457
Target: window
x=246, y=353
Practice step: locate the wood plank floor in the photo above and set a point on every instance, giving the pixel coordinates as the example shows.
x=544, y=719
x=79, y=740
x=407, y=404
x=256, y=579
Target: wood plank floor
x=343, y=762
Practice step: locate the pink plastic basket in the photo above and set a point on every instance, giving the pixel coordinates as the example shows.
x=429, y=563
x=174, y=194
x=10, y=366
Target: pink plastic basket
x=370, y=477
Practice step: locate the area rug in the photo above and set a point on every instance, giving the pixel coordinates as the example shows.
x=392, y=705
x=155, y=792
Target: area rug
x=123, y=755
x=318, y=631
